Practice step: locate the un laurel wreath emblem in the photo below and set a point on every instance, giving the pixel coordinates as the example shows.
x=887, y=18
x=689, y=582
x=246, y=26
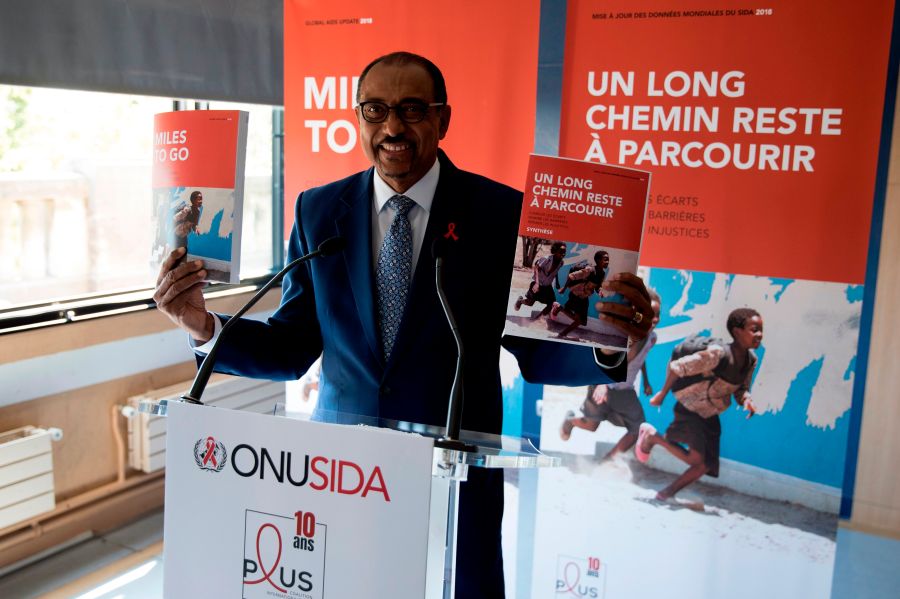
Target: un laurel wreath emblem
x=210, y=454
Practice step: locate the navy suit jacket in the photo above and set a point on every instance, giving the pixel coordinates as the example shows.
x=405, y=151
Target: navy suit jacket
x=328, y=307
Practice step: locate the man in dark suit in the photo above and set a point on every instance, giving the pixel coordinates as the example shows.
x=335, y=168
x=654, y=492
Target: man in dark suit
x=373, y=312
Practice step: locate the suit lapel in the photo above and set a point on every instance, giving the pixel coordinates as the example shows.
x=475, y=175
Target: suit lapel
x=355, y=225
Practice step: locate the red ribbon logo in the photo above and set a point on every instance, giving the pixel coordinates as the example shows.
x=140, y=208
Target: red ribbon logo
x=210, y=453
x=267, y=574
x=450, y=228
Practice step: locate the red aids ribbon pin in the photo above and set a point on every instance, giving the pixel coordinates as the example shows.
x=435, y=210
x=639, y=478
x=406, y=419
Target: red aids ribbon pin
x=450, y=228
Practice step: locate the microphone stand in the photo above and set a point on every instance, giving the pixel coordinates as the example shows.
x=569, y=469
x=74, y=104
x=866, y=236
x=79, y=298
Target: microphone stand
x=330, y=246
x=451, y=440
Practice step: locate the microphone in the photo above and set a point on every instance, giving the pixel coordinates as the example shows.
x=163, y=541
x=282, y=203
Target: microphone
x=450, y=440
x=332, y=245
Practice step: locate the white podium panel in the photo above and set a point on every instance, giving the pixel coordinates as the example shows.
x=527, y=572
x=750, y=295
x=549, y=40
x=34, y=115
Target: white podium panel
x=267, y=506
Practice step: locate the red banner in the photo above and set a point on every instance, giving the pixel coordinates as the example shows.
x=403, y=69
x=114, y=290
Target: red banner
x=758, y=132
x=487, y=52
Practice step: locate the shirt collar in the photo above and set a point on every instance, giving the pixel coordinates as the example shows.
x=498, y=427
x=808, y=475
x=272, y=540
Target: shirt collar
x=422, y=192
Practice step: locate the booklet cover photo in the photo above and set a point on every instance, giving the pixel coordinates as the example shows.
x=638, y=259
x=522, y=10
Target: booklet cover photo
x=581, y=223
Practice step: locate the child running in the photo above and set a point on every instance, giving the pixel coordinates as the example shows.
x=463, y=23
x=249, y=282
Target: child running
x=713, y=375
x=545, y=271
x=582, y=284
x=618, y=403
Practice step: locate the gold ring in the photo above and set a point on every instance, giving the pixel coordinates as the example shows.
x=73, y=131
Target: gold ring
x=637, y=318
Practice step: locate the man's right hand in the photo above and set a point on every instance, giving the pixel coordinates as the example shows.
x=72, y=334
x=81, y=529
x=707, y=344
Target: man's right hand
x=179, y=295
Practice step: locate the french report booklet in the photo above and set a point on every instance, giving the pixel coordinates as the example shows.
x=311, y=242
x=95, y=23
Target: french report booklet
x=582, y=222
x=198, y=188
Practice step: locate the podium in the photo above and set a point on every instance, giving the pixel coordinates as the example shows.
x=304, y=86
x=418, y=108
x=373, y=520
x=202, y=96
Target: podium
x=337, y=505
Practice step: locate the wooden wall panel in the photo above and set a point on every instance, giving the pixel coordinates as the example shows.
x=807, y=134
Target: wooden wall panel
x=86, y=460
x=86, y=456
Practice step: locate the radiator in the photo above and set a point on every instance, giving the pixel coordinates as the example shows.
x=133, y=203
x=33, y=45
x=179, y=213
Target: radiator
x=26, y=474
x=147, y=433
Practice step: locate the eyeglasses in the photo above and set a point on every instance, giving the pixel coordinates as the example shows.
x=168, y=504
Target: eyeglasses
x=408, y=112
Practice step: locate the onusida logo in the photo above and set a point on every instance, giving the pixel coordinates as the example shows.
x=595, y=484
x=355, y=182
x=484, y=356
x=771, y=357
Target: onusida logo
x=318, y=472
x=210, y=454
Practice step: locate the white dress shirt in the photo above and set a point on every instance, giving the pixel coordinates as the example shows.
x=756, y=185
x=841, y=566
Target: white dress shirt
x=422, y=193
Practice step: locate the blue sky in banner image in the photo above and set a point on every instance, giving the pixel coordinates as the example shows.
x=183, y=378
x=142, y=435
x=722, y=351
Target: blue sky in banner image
x=803, y=383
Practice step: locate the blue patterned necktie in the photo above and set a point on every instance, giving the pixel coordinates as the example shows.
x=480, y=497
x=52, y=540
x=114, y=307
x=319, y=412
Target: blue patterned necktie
x=394, y=271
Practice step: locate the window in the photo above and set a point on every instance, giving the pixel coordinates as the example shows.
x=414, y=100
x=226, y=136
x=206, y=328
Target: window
x=75, y=193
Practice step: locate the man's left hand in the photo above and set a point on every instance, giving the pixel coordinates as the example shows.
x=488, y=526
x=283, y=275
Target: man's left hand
x=635, y=316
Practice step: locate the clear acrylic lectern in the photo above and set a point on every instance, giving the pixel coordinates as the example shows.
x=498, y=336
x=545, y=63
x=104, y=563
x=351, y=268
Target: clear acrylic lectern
x=449, y=467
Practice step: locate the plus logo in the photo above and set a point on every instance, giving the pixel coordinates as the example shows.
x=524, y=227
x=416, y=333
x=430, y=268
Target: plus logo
x=284, y=557
x=580, y=577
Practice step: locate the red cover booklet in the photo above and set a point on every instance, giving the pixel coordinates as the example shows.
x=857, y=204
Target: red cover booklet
x=581, y=223
x=198, y=188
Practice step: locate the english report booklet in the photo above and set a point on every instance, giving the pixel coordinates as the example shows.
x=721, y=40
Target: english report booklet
x=198, y=188
x=581, y=223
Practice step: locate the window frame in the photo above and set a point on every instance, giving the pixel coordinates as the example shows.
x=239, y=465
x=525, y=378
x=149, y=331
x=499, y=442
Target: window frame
x=105, y=304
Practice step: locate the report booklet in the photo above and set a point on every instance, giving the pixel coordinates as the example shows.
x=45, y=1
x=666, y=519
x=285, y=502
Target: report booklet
x=198, y=188
x=581, y=223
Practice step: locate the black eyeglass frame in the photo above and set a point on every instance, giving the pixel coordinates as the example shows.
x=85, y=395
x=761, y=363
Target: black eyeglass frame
x=396, y=108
